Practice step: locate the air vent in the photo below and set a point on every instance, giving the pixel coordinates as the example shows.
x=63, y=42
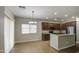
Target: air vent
x=23, y=7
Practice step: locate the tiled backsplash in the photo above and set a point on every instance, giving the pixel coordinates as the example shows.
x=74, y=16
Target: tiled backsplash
x=45, y=31
x=58, y=31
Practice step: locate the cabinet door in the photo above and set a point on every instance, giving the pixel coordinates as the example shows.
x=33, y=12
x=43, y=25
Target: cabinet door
x=45, y=37
x=50, y=26
x=63, y=26
x=45, y=26
x=57, y=26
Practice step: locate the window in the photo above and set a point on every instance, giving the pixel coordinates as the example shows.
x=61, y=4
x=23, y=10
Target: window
x=25, y=28
x=31, y=27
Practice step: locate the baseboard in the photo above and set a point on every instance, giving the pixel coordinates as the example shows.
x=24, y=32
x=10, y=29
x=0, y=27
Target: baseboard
x=25, y=41
x=1, y=51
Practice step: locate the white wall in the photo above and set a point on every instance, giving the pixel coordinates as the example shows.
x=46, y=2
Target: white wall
x=1, y=29
x=19, y=37
x=77, y=28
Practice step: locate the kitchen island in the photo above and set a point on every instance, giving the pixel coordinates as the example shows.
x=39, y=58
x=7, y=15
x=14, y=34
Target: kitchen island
x=62, y=41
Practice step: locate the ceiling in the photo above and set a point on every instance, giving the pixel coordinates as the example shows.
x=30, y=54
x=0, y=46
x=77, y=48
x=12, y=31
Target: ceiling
x=45, y=12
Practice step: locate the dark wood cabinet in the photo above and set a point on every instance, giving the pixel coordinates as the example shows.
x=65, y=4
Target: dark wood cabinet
x=71, y=24
x=56, y=26
x=50, y=25
x=47, y=26
x=62, y=26
x=45, y=37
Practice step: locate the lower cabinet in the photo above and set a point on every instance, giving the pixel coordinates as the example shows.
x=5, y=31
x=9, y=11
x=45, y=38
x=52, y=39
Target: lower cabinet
x=45, y=37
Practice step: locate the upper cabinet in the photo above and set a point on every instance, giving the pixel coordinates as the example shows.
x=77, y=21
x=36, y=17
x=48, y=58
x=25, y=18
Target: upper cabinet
x=48, y=26
x=71, y=23
x=56, y=26
x=62, y=26
x=45, y=26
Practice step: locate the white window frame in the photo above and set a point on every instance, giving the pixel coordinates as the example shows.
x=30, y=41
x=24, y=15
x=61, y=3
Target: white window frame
x=30, y=23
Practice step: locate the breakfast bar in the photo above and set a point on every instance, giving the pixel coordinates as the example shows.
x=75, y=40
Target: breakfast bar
x=62, y=41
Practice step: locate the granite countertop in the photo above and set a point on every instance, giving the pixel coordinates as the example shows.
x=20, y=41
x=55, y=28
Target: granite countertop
x=59, y=34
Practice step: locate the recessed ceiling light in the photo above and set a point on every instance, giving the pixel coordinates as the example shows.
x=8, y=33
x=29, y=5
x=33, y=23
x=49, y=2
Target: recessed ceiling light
x=66, y=15
x=55, y=13
x=73, y=16
x=46, y=17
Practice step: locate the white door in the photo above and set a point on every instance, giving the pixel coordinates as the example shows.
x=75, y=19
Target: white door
x=8, y=34
x=11, y=34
